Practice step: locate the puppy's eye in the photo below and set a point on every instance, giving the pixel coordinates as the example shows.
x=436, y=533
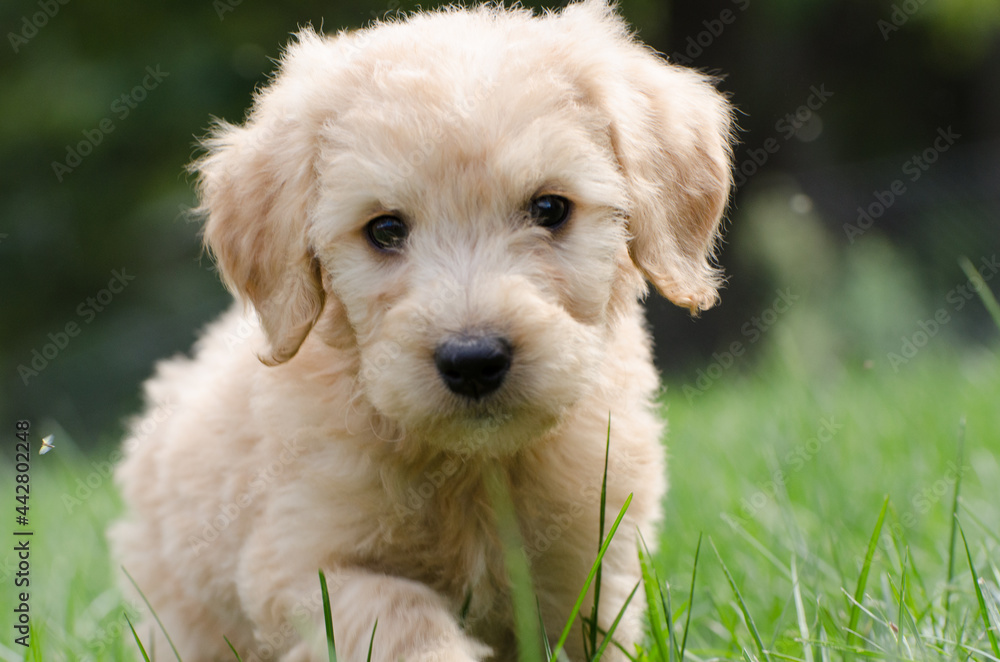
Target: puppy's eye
x=387, y=233
x=550, y=211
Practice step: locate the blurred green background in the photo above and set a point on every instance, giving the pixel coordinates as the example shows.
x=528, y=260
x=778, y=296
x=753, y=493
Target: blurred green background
x=869, y=163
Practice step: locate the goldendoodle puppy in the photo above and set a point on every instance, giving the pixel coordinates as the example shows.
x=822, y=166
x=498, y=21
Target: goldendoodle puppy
x=440, y=228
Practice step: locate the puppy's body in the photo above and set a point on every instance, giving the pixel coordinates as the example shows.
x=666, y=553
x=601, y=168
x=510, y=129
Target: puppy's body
x=358, y=449
x=244, y=494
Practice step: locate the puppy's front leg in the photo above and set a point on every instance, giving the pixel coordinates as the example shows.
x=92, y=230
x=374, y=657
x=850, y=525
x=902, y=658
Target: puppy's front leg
x=415, y=623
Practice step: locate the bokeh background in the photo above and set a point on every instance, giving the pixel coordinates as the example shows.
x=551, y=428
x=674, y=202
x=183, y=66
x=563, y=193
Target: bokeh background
x=838, y=373
x=869, y=162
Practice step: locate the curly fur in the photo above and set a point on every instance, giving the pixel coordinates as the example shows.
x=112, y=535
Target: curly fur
x=311, y=430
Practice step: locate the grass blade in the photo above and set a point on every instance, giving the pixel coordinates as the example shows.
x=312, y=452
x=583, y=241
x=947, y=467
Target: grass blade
x=824, y=645
x=859, y=591
x=614, y=625
x=463, y=614
x=137, y=640
x=541, y=628
x=759, y=546
x=905, y=559
x=518, y=568
x=743, y=607
x=155, y=616
x=658, y=620
x=371, y=642
x=331, y=645
x=690, y=605
x=990, y=634
x=36, y=648
x=979, y=285
x=954, y=525
x=232, y=648
x=590, y=578
x=600, y=541
x=902, y=603
x=800, y=612
x=668, y=611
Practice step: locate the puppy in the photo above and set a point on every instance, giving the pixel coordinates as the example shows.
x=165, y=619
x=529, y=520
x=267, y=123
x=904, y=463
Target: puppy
x=440, y=228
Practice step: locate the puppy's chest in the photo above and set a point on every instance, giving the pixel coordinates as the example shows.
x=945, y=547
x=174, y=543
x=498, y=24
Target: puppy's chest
x=442, y=532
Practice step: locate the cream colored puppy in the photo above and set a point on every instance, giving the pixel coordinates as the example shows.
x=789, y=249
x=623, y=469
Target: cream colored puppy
x=444, y=225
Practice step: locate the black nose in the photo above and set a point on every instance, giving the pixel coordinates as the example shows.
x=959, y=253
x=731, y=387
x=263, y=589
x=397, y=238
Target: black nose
x=473, y=366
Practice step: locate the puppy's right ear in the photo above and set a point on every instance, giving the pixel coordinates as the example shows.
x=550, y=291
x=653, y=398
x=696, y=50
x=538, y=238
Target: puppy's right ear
x=671, y=133
x=673, y=143
x=256, y=184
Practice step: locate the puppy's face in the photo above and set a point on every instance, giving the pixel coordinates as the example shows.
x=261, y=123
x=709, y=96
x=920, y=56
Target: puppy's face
x=474, y=241
x=474, y=197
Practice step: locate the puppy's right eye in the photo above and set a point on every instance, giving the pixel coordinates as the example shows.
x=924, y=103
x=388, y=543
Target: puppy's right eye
x=550, y=211
x=387, y=233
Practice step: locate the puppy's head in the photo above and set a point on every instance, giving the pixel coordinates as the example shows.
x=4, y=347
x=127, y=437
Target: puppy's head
x=471, y=199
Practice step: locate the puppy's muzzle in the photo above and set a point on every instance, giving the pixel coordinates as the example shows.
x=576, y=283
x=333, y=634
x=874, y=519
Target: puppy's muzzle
x=473, y=367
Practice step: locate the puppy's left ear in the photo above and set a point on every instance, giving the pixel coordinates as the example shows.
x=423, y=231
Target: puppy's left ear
x=671, y=132
x=255, y=190
x=256, y=185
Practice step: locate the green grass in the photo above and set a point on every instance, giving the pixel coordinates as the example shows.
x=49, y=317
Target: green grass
x=76, y=610
x=829, y=500
x=787, y=473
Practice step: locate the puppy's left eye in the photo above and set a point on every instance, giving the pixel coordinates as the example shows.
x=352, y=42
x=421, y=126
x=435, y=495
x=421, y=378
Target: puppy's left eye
x=550, y=211
x=387, y=233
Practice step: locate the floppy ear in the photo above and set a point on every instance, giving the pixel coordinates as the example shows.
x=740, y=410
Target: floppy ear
x=676, y=158
x=671, y=132
x=256, y=184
